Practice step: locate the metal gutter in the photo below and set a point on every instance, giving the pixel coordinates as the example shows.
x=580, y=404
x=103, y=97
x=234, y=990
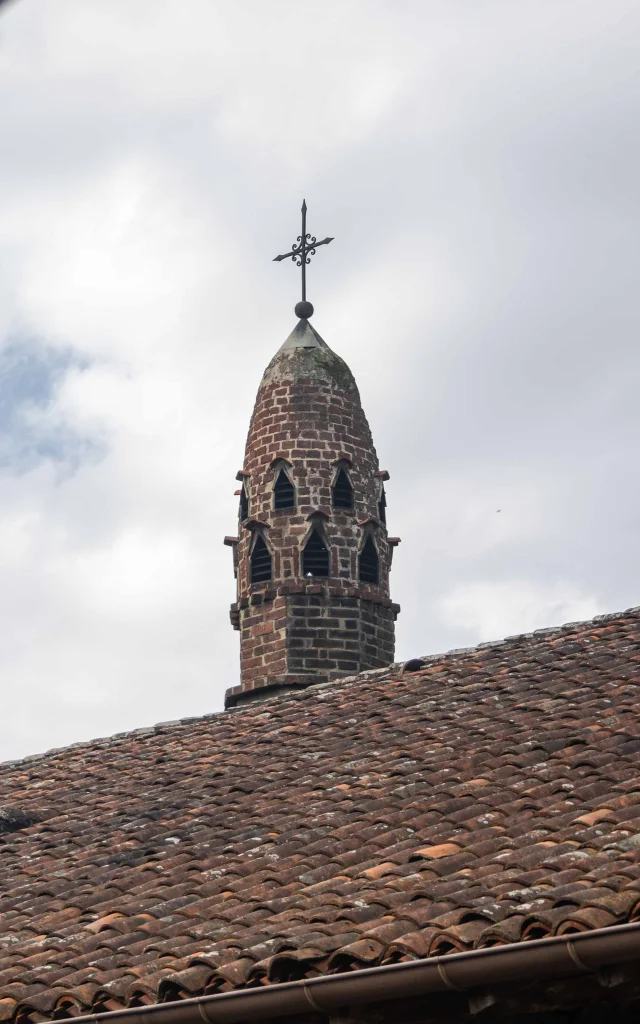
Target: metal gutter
x=558, y=957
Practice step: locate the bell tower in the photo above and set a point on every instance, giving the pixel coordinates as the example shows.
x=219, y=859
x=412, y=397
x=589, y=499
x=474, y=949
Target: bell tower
x=312, y=557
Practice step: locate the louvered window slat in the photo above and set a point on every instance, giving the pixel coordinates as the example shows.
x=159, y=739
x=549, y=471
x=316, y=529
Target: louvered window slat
x=342, y=491
x=260, y=562
x=244, y=504
x=368, y=563
x=284, y=493
x=315, y=557
x=382, y=507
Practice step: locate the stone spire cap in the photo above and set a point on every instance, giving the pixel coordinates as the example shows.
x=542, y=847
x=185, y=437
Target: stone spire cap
x=306, y=356
x=303, y=335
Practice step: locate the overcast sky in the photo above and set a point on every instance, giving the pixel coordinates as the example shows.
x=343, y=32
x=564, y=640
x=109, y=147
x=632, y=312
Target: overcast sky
x=478, y=164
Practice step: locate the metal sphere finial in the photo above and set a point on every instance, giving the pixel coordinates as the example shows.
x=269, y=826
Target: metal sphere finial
x=303, y=309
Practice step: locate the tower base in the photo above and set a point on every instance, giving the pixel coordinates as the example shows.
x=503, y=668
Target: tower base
x=309, y=635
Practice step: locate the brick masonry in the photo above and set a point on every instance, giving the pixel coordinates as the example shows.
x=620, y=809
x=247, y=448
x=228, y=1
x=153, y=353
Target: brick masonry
x=308, y=419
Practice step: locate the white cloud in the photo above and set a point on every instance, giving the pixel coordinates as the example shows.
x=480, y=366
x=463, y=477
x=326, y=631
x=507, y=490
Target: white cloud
x=492, y=609
x=477, y=166
x=112, y=263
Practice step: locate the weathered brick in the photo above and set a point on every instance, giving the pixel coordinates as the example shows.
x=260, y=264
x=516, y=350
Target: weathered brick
x=308, y=412
x=261, y=628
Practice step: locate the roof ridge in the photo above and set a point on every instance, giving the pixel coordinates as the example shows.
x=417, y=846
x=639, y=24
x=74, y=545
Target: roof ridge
x=515, y=638
x=433, y=659
x=377, y=673
x=491, y=795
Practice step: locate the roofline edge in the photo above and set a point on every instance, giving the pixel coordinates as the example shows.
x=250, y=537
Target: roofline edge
x=427, y=659
x=557, y=957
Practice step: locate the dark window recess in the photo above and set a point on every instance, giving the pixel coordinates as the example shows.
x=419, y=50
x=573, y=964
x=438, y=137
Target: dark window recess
x=284, y=493
x=244, y=504
x=342, y=491
x=368, y=563
x=382, y=508
x=260, y=562
x=315, y=557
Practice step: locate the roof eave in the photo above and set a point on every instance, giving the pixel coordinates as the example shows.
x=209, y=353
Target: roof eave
x=560, y=957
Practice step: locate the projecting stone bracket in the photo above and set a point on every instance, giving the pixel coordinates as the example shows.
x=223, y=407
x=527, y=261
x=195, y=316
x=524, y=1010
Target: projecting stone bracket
x=234, y=615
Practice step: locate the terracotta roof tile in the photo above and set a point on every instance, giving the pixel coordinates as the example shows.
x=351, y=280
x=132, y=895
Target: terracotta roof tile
x=490, y=797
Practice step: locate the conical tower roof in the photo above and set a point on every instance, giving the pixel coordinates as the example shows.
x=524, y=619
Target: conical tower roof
x=306, y=356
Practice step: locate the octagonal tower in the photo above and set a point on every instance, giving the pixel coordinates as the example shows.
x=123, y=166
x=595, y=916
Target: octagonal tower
x=312, y=558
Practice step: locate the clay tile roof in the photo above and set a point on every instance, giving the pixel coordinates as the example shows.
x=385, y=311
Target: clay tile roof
x=481, y=797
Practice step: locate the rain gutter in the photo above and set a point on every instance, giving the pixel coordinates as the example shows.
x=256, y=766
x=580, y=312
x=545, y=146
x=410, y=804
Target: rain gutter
x=558, y=957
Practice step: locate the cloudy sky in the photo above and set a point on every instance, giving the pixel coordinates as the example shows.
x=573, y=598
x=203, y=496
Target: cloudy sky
x=478, y=164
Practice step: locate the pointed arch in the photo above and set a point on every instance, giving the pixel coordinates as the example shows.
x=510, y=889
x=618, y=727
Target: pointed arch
x=260, y=559
x=284, y=491
x=316, y=559
x=382, y=506
x=243, y=509
x=369, y=562
x=342, y=490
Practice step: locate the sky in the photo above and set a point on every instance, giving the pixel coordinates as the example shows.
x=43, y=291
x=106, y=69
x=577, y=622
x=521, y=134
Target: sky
x=477, y=162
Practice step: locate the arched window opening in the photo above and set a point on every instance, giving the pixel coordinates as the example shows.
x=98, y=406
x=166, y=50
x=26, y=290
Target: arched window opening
x=284, y=493
x=382, y=507
x=369, y=563
x=244, y=504
x=260, y=561
x=315, y=557
x=342, y=491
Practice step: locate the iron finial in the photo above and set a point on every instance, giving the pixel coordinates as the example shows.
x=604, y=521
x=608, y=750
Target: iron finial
x=301, y=254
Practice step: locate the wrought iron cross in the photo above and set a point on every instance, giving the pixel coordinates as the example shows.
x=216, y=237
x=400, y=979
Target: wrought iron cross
x=301, y=255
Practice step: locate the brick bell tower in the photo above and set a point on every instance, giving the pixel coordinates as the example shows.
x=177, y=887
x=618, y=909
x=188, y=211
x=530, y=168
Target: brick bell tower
x=312, y=558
